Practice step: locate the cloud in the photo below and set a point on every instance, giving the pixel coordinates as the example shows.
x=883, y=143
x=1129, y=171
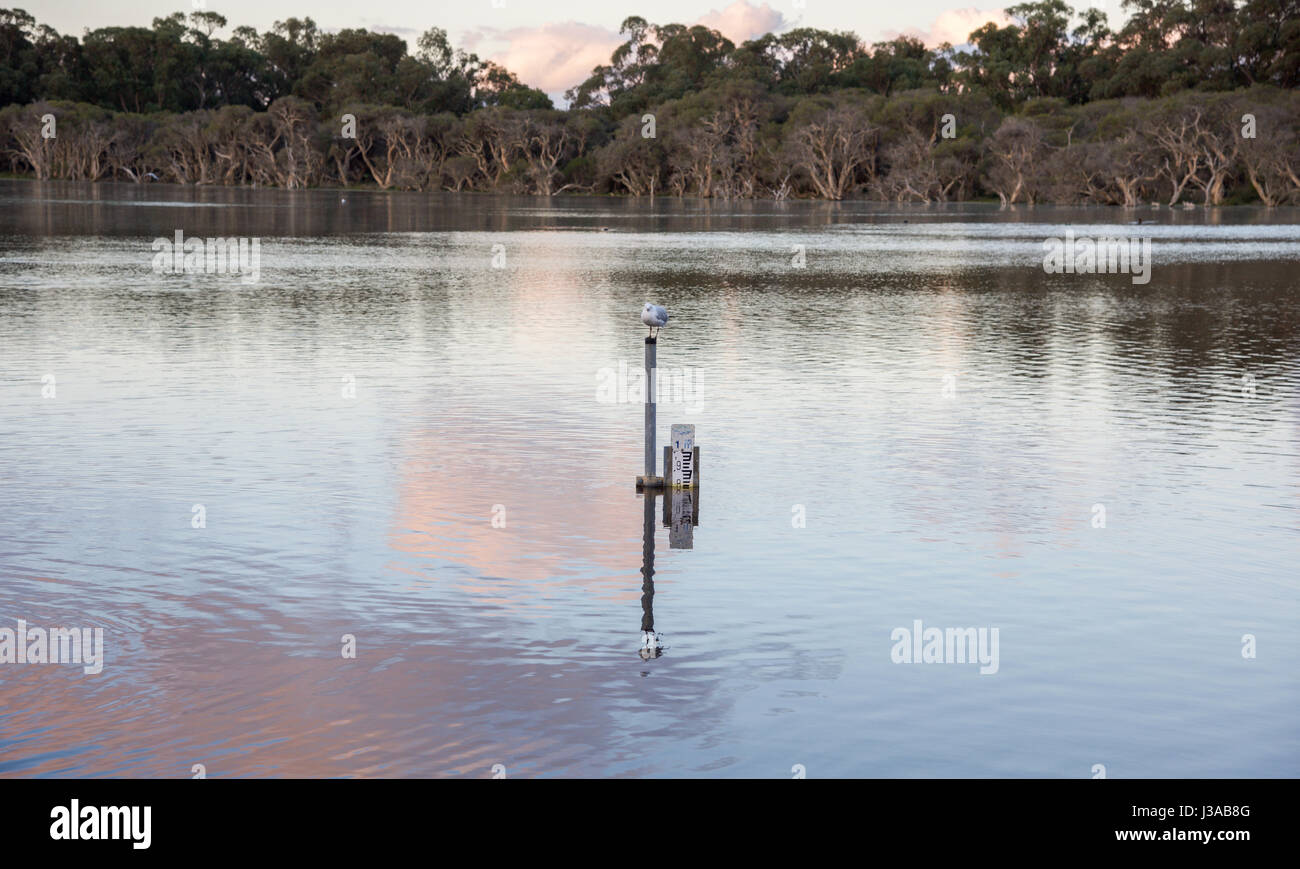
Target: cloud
x=553, y=57
x=376, y=26
x=954, y=26
x=743, y=20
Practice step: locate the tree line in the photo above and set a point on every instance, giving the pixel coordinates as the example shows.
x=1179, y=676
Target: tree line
x=1191, y=100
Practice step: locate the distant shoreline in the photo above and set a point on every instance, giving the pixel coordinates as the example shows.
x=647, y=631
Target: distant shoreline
x=625, y=197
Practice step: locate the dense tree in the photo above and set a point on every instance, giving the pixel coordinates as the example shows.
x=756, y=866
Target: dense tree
x=182, y=64
x=19, y=58
x=1187, y=101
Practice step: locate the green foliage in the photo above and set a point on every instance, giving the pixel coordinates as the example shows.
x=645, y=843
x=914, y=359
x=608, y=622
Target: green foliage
x=181, y=64
x=1058, y=104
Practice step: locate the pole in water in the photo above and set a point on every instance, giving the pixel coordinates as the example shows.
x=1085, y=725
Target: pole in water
x=650, y=480
x=651, y=369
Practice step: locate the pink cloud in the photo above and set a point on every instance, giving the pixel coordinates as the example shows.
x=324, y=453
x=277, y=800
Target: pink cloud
x=553, y=57
x=955, y=26
x=743, y=20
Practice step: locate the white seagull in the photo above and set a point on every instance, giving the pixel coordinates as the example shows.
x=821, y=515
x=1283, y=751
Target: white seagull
x=654, y=316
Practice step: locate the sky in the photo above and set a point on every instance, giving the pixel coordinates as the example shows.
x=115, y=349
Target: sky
x=553, y=45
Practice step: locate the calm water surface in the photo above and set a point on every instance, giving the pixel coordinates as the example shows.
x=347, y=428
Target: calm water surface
x=942, y=414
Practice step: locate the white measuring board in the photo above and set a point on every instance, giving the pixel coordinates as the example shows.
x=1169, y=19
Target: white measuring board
x=682, y=440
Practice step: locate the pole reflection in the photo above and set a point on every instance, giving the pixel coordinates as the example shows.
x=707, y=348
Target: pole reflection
x=681, y=515
x=650, y=647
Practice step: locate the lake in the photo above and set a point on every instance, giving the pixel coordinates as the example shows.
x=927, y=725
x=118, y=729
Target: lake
x=374, y=514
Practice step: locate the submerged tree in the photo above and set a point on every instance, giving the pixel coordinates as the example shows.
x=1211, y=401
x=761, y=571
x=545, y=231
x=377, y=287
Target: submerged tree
x=1052, y=106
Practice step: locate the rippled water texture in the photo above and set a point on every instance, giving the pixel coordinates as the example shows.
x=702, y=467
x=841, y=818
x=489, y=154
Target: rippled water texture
x=943, y=416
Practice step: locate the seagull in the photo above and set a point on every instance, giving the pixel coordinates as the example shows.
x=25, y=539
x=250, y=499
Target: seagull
x=654, y=316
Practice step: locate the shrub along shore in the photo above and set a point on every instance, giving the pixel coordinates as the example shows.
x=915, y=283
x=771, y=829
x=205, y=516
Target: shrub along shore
x=1188, y=102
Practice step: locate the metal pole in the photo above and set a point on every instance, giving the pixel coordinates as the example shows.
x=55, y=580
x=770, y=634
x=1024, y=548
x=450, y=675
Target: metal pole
x=650, y=409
